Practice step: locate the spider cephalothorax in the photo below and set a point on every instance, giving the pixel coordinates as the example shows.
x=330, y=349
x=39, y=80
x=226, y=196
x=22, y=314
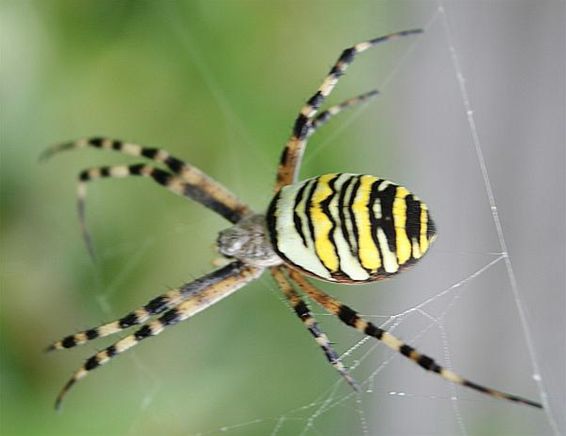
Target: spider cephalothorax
x=337, y=227
x=248, y=241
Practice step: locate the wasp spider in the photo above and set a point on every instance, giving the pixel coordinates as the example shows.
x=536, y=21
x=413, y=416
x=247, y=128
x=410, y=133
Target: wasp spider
x=347, y=228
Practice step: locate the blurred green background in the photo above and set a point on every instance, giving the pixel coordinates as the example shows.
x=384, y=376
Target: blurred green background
x=217, y=83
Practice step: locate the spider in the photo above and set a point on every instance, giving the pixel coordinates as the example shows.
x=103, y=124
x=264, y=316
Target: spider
x=339, y=227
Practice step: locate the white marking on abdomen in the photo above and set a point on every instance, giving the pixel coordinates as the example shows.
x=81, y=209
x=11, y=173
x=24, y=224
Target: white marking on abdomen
x=389, y=259
x=289, y=242
x=349, y=264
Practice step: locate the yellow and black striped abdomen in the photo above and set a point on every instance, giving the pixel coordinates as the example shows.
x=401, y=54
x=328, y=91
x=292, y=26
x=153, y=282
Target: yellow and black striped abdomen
x=349, y=228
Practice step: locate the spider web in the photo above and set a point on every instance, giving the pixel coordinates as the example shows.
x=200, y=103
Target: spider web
x=436, y=316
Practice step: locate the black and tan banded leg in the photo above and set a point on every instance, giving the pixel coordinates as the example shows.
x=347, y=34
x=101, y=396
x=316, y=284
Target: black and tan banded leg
x=203, y=188
x=162, y=177
x=139, y=316
x=323, y=117
x=201, y=294
x=300, y=308
x=292, y=153
x=174, y=183
x=349, y=317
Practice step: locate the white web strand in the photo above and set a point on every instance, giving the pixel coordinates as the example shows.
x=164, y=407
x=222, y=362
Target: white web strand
x=332, y=401
x=495, y=215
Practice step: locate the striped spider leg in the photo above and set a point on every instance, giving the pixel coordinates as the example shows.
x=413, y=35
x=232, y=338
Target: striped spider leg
x=182, y=178
x=323, y=117
x=351, y=318
x=302, y=311
x=187, y=301
x=290, y=160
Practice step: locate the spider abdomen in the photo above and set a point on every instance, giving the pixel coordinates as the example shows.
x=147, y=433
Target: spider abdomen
x=349, y=228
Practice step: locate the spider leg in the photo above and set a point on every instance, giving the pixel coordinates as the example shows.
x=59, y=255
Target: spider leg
x=349, y=317
x=138, y=316
x=292, y=153
x=174, y=183
x=201, y=294
x=323, y=117
x=311, y=324
x=204, y=189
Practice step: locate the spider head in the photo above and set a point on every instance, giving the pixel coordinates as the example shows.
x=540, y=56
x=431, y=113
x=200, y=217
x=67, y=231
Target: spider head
x=247, y=241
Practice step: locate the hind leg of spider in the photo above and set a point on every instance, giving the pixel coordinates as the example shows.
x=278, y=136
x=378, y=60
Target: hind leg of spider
x=205, y=190
x=201, y=294
x=304, y=314
x=292, y=153
x=349, y=317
